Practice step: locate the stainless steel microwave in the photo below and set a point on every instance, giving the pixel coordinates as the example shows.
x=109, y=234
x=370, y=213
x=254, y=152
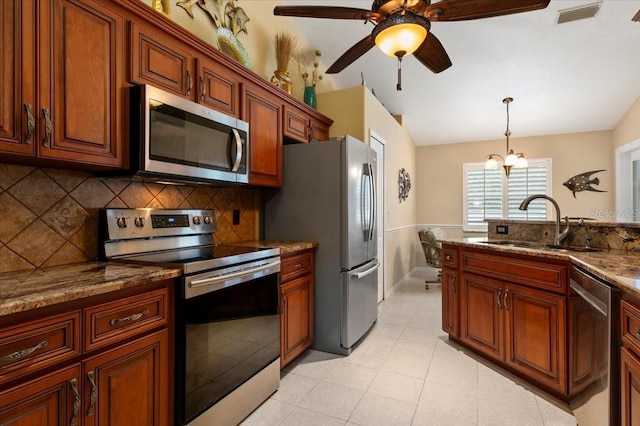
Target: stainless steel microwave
x=178, y=140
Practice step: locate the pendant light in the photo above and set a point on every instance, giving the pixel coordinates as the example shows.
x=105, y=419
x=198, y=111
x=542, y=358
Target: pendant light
x=516, y=160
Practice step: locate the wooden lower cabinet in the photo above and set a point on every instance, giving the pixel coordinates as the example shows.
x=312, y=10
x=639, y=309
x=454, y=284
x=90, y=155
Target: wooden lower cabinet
x=125, y=382
x=296, y=304
x=520, y=327
x=128, y=385
x=51, y=400
x=450, y=287
x=630, y=398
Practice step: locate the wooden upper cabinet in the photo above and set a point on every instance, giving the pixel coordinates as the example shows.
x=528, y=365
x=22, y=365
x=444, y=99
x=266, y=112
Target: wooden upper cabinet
x=161, y=61
x=263, y=112
x=17, y=79
x=300, y=126
x=218, y=87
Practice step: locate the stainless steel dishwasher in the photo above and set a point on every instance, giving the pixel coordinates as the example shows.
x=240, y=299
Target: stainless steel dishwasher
x=594, y=350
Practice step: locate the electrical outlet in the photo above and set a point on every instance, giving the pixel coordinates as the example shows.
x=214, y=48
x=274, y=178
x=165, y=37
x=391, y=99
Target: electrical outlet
x=236, y=217
x=502, y=229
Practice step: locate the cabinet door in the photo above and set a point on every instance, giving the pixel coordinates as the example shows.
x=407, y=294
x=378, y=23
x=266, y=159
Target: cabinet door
x=296, y=124
x=81, y=83
x=481, y=315
x=296, y=326
x=218, y=87
x=630, y=398
x=128, y=385
x=17, y=79
x=319, y=131
x=536, y=335
x=159, y=60
x=450, y=301
x=263, y=112
x=51, y=400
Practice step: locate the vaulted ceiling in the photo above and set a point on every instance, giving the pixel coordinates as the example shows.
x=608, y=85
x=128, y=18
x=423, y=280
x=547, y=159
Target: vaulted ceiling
x=576, y=76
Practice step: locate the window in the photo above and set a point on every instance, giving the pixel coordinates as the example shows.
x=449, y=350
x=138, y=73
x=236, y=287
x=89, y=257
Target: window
x=488, y=194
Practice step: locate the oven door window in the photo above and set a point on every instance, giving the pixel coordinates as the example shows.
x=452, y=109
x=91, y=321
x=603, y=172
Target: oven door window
x=231, y=334
x=180, y=137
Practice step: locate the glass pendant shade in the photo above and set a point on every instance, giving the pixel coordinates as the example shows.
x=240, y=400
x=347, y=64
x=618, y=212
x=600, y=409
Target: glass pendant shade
x=405, y=37
x=511, y=159
x=522, y=162
x=491, y=163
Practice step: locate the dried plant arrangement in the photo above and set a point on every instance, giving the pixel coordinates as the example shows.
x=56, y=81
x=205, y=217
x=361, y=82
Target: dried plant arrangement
x=309, y=79
x=284, y=45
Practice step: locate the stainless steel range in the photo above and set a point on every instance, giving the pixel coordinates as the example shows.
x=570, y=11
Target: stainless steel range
x=227, y=331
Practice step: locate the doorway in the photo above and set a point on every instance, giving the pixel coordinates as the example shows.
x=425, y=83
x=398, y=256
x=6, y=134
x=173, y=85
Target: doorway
x=628, y=182
x=377, y=143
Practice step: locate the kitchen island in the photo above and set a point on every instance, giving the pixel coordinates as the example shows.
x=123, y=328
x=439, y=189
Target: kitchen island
x=544, y=313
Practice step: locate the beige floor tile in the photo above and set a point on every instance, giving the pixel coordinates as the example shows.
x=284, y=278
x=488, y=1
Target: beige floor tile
x=458, y=399
x=438, y=416
x=351, y=375
x=397, y=386
x=410, y=358
x=332, y=400
x=301, y=416
x=375, y=410
x=314, y=364
x=293, y=388
x=271, y=413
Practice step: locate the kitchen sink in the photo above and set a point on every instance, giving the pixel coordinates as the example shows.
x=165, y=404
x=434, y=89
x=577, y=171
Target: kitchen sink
x=538, y=246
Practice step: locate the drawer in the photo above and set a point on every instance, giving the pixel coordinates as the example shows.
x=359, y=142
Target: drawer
x=449, y=257
x=35, y=345
x=115, y=321
x=296, y=265
x=630, y=326
x=537, y=274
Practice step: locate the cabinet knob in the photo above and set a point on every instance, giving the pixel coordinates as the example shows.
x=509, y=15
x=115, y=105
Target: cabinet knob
x=447, y=257
x=638, y=334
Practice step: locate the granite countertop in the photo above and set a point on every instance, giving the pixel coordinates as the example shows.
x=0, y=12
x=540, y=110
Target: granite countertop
x=618, y=267
x=30, y=289
x=284, y=246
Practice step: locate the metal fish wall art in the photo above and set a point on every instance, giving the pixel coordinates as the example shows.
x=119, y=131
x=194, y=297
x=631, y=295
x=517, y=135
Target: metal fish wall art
x=583, y=182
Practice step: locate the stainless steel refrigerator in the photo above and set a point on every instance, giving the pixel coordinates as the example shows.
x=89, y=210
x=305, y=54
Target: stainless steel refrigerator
x=329, y=196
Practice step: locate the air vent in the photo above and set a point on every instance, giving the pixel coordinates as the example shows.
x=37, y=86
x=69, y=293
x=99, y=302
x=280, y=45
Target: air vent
x=577, y=13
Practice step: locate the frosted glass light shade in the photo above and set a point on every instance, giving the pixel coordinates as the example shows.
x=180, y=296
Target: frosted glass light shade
x=405, y=38
x=491, y=163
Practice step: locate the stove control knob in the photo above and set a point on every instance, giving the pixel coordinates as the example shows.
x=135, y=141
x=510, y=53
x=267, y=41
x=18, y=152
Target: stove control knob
x=197, y=220
x=122, y=222
x=139, y=221
x=207, y=220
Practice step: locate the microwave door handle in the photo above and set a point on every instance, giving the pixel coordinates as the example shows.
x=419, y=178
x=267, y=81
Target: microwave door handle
x=238, y=159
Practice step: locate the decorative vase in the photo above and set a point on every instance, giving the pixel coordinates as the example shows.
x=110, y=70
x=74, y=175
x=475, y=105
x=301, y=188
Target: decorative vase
x=282, y=79
x=310, y=96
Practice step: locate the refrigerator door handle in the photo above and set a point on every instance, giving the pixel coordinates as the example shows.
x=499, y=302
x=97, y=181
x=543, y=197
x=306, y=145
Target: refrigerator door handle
x=369, y=271
x=365, y=186
x=373, y=201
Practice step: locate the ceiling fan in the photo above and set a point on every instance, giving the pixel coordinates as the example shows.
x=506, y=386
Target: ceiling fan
x=402, y=26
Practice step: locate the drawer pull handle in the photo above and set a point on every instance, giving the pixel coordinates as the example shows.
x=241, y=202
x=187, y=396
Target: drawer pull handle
x=31, y=124
x=130, y=318
x=297, y=266
x=498, y=298
x=76, y=402
x=94, y=393
x=48, y=127
x=638, y=334
x=203, y=91
x=189, y=82
x=24, y=352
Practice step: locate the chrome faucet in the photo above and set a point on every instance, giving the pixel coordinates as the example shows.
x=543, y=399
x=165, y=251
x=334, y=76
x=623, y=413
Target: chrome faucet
x=559, y=237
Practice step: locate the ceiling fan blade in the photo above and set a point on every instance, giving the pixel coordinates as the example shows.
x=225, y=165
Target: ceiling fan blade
x=432, y=55
x=460, y=10
x=357, y=50
x=636, y=17
x=330, y=12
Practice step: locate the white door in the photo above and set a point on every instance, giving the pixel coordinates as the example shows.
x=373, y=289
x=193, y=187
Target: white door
x=378, y=146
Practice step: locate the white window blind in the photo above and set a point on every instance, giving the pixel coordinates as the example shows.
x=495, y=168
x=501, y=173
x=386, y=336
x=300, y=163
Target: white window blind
x=488, y=194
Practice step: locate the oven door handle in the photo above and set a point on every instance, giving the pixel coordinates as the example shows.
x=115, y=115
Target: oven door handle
x=226, y=277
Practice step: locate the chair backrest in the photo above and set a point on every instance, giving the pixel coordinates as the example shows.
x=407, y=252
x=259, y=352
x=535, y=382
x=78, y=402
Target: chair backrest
x=431, y=246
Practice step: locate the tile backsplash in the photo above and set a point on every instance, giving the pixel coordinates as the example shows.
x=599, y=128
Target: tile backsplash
x=50, y=216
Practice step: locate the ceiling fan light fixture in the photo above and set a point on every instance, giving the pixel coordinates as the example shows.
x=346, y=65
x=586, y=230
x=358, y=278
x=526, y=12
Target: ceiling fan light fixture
x=401, y=34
